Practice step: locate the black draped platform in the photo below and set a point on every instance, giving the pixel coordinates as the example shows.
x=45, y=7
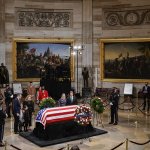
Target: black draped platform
x=59, y=133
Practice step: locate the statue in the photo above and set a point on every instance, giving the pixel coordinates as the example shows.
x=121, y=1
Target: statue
x=85, y=74
x=4, y=75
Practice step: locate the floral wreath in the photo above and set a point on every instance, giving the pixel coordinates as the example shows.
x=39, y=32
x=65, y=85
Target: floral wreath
x=83, y=115
x=47, y=103
x=98, y=104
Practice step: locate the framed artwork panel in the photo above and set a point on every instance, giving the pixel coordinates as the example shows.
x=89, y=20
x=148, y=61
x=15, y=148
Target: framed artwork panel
x=30, y=56
x=125, y=60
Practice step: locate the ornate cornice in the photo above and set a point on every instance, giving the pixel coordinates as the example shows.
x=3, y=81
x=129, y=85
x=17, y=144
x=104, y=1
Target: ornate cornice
x=118, y=18
x=43, y=18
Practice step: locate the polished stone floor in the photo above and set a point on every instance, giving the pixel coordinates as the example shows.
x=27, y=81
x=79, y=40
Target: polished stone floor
x=133, y=125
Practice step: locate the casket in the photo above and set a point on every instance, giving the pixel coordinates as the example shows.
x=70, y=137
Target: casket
x=58, y=122
x=58, y=114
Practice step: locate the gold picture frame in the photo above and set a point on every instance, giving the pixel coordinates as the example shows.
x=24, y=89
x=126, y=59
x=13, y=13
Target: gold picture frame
x=125, y=60
x=38, y=49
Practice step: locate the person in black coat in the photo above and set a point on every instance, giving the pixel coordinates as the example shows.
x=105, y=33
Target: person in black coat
x=146, y=96
x=71, y=99
x=27, y=118
x=8, y=99
x=4, y=75
x=85, y=74
x=16, y=112
x=114, y=100
x=30, y=104
x=2, y=123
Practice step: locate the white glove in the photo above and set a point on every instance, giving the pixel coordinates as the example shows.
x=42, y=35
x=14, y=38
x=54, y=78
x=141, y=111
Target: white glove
x=18, y=114
x=6, y=115
x=111, y=103
x=11, y=96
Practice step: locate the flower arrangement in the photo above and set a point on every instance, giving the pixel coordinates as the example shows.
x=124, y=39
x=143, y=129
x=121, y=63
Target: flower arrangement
x=83, y=115
x=98, y=105
x=47, y=103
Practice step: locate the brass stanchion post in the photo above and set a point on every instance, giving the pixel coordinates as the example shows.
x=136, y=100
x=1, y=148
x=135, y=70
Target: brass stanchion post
x=127, y=144
x=136, y=122
x=67, y=146
x=5, y=145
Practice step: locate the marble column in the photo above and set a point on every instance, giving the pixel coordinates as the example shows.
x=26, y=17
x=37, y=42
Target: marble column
x=87, y=32
x=2, y=31
x=87, y=37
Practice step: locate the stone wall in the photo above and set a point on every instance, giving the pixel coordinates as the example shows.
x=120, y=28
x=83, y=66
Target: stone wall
x=130, y=31
x=13, y=30
x=87, y=28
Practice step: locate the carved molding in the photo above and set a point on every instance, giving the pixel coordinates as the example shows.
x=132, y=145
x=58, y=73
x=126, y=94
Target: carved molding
x=44, y=18
x=135, y=16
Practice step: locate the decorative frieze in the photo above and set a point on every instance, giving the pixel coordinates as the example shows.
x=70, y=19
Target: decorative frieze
x=44, y=18
x=118, y=18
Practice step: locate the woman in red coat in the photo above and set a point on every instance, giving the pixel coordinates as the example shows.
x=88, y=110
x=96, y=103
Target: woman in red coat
x=42, y=94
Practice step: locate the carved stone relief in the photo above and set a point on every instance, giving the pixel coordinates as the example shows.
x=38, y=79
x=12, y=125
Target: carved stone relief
x=42, y=18
x=125, y=17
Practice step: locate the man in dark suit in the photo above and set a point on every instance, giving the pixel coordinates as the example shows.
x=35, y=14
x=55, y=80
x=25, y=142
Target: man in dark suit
x=16, y=112
x=85, y=74
x=4, y=75
x=114, y=100
x=8, y=99
x=146, y=96
x=71, y=99
x=2, y=123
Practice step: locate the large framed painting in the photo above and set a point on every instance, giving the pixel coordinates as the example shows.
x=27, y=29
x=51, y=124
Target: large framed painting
x=125, y=60
x=32, y=56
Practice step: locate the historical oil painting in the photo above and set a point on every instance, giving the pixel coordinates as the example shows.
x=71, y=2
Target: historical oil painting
x=37, y=58
x=125, y=59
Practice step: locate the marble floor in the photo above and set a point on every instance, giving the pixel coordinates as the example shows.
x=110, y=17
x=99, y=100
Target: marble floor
x=133, y=125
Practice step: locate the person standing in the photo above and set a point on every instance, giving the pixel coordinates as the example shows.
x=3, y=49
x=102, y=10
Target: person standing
x=4, y=75
x=2, y=123
x=42, y=94
x=8, y=99
x=31, y=90
x=1, y=95
x=27, y=119
x=16, y=112
x=146, y=96
x=114, y=100
x=85, y=74
x=62, y=101
x=30, y=105
x=71, y=99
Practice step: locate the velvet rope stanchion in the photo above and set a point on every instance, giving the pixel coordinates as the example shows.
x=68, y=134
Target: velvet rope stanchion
x=6, y=146
x=138, y=108
x=144, y=113
x=133, y=105
x=127, y=141
x=118, y=145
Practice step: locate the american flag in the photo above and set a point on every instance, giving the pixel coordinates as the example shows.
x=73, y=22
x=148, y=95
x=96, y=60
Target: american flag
x=57, y=114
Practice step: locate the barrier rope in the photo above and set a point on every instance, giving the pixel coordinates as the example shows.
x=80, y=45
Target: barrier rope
x=144, y=113
x=133, y=105
x=131, y=142
x=127, y=108
x=140, y=109
x=122, y=102
x=15, y=147
x=118, y=145
x=6, y=144
x=139, y=143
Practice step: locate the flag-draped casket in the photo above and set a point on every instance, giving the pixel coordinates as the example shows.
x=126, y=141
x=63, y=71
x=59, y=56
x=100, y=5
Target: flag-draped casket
x=49, y=116
x=59, y=122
